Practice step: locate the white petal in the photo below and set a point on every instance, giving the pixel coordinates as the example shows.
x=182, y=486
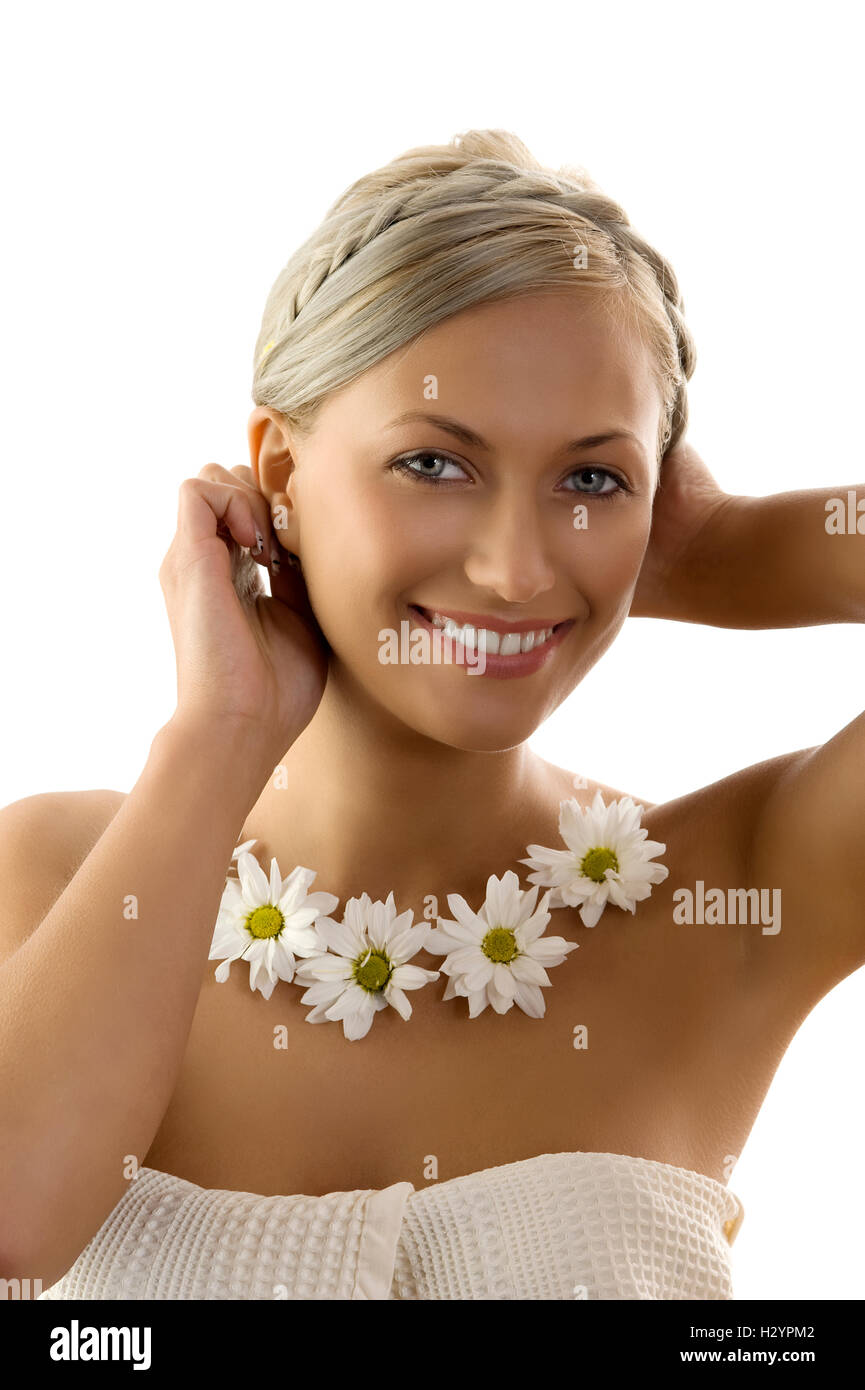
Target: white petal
x=282, y=962
x=301, y=917
x=466, y=958
x=440, y=943
x=552, y=950
x=340, y=937
x=477, y=1002
x=397, y=999
x=455, y=932
x=326, y=968
x=480, y=974
x=378, y=923
x=619, y=897
x=253, y=881
x=504, y=980
x=227, y=941
x=406, y=944
x=318, y=1014
x=323, y=902
x=351, y=998
x=501, y=1003
x=529, y=971
x=412, y=976
x=325, y=992
x=530, y=999
x=356, y=1024
x=275, y=884
x=291, y=891
x=591, y=912
x=266, y=985
x=527, y=932
x=501, y=905
x=466, y=918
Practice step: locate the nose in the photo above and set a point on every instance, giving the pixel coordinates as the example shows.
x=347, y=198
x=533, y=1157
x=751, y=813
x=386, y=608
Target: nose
x=508, y=552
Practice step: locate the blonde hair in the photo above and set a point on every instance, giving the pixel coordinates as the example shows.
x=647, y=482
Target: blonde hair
x=438, y=230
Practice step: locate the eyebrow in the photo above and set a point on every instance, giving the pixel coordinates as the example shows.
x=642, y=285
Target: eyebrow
x=444, y=422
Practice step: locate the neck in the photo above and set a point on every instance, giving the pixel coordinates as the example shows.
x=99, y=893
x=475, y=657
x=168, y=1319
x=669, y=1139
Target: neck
x=375, y=807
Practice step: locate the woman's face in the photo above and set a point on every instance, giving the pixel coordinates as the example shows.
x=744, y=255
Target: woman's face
x=477, y=530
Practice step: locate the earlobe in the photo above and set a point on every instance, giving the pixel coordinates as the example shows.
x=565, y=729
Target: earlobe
x=281, y=517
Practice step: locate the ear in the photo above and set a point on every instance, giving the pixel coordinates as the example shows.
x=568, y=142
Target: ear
x=271, y=452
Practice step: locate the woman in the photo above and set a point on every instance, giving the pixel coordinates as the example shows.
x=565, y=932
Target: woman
x=470, y=420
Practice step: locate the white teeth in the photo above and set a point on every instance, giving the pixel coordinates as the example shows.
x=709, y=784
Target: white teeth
x=503, y=644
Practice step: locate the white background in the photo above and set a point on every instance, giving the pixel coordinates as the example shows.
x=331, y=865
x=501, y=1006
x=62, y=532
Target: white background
x=160, y=164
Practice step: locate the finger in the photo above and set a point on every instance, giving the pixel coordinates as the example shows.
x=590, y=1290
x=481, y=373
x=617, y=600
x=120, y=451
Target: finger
x=260, y=551
x=207, y=509
x=240, y=473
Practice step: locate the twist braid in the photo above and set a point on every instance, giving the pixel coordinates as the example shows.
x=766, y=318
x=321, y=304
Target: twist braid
x=486, y=185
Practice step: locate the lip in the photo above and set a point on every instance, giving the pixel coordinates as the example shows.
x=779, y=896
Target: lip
x=506, y=667
x=488, y=620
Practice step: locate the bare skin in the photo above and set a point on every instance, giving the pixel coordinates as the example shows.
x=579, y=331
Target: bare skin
x=686, y=1026
x=685, y=1032
x=418, y=779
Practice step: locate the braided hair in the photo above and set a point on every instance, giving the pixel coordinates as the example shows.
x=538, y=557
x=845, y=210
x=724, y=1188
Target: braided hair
x=445, y=227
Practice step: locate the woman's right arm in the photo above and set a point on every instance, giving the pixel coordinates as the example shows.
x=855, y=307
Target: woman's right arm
x=97, y=1002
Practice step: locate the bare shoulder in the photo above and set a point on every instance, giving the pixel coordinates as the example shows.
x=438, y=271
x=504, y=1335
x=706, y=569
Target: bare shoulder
x=44, y=839
x=728, y=809
x=574, y=784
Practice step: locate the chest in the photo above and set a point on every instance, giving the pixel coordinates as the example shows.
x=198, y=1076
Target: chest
x=628, y=1058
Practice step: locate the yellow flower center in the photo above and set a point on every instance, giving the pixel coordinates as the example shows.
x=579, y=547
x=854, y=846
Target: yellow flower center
x=596, y=862
x=373, y=971
x=500, y=945
x=265, y=921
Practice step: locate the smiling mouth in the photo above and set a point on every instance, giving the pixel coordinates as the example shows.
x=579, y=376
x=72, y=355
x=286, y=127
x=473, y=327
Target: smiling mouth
x=490, y=640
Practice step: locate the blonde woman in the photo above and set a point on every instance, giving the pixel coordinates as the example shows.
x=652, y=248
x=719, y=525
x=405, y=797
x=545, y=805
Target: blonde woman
x=526, y=1079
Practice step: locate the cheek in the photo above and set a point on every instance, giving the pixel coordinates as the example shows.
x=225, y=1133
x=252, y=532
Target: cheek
x=379, y=542
x=357, y=553
x=604, y=560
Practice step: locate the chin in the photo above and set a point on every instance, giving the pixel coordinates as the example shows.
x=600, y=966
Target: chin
x=473, y=731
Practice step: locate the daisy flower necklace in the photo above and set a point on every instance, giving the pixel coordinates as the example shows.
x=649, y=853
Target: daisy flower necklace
x=496, y=956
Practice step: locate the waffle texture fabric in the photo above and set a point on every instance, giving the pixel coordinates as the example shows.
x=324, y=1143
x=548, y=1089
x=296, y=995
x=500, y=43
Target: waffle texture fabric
x=557, y=1226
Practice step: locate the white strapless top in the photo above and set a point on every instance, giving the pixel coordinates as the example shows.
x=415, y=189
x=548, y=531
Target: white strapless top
x=557, y=1226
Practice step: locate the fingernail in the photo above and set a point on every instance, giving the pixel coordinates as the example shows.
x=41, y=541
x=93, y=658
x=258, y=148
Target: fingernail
x=260, y=546
x=274, y=562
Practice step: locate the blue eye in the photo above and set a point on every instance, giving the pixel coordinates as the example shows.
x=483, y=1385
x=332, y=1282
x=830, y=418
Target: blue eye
x=404, y=466
x=601, y=473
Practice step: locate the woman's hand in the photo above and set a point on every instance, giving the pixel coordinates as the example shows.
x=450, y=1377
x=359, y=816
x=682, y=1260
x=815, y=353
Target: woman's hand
x=687, y=501
x=240, y=654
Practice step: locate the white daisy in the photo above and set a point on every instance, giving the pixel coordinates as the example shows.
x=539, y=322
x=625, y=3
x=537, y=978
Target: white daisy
x=267, y=922
x=365, y=968
x=608, y=857
x=495, y=956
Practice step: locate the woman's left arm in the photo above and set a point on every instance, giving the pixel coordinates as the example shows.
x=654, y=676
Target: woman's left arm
x=791, y=559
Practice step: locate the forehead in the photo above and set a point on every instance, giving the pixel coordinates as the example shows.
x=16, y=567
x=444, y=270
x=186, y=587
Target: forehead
x=557, y=360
